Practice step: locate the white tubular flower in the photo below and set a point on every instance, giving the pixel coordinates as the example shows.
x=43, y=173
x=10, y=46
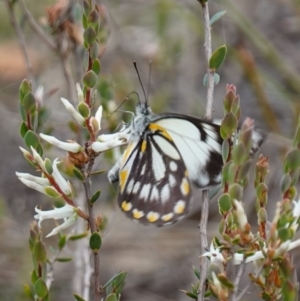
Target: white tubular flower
x=296, y=215
x=64, y=185
x=123, y=134
x=296, y=209
x=216, y=282
x=241, y=216
x=38, y=180
x=68, y=213
x=38, y=159
x=47, y=190
x=99, y=147
x=73, y=111
x=39, y=96
x=79, y=93
x=284, y=247
x=72, y=147
x=98, y=116
x=214, y=254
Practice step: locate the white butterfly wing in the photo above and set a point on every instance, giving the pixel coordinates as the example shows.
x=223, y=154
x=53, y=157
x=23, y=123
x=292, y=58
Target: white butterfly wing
x=199, y=144
x=154, y=183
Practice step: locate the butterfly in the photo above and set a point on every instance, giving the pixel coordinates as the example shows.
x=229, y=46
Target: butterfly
x=166, y=153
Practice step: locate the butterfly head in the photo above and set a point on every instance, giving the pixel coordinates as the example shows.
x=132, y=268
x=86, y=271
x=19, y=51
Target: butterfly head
x=143, y=109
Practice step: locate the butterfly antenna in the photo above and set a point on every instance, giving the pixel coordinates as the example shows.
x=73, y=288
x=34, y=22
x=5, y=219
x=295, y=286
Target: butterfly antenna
x=137, y=71
x=125, y=99
x=148, y=88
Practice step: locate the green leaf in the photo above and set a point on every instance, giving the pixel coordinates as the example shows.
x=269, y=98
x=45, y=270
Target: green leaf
x=29, y=103
x=225, y=150
x=90, y=79
x=239, y=154
x=236, y=192
x=39, y=252
x=23, y=129
x=62, y=241
x=93, y=18
x=289, y=291
x=94, y=54
x=40, y=288
x=84, y=110
x=78, y=174
x=224, y=202
x=95, y=242
x=34, y=276
x=228, y=125
x=25, y=87
x=23, y=113
x=225, y=281
x=196, y=272
x=31, y=139
x=217, y=57
x=48, y=166
x=95, y=197
x=28, y=292
x=89, y=35
x=285, y=234
x=96, y=67
x=78, y=298
x=78, y=236
x=40, y=150
x=217, y=17
x=285, y=182
x=292, y=161
x=113, y=278
x=64, y=259
x=262, y=215
x=111, y=297
x=216, y=78
x=51, y=192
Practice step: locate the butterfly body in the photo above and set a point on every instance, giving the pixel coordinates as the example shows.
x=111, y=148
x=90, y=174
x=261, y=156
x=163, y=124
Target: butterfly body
x=165, y=154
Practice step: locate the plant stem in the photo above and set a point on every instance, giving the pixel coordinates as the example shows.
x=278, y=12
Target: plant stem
x=93, y=227
x=208, y=112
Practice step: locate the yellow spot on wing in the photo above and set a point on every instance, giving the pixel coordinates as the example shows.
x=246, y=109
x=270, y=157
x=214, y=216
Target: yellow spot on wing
x=185, y=187
x=179, y=207
x=123, y=179
x=126, y=206
x=127, y=152
x=137, y=213
x=155, y=127
x=167, y=217
x=144, y=145
x=152, y=216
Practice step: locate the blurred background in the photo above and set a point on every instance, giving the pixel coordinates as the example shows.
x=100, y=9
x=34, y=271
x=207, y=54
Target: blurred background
x=263, y=61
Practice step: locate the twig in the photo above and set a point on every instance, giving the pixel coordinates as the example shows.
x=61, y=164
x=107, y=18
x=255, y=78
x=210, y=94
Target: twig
x=35, y=27
x=208, y=112
x=92, y=223
x=203, y=245
x=65, y=58
x=244, y=291
x=237, y=280
x=82, y=258
x=21, y=39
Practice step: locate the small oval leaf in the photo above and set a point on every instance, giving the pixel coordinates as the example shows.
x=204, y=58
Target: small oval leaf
x=217, y=57
x=40, y=288
x=95, y=241
x=217, y=17
x=31, y=139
